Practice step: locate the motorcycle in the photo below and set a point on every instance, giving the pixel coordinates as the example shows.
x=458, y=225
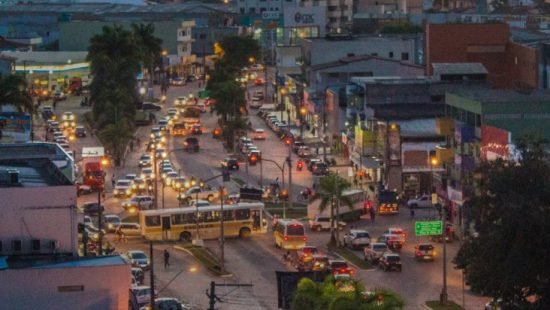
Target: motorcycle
x=300, y=165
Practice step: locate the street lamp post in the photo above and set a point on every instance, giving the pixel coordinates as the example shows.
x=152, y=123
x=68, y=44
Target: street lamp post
x=222, y=242
x=443, y=297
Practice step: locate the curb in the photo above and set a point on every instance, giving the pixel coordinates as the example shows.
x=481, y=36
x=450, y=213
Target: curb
x=177, y=247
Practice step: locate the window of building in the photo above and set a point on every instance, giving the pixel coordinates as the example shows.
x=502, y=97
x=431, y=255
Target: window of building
x=263, y=10
x=344, y=19
x=242, y=10
x=374, y=54
x=332, y=8
x=333, y=75
x=390, y=55
x=332, y=20
x=404, y=56
x=202, y=36
x=252, y=10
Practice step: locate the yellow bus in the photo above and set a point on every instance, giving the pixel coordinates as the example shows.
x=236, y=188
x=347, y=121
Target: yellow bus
x=241, y=220
x=290, y=235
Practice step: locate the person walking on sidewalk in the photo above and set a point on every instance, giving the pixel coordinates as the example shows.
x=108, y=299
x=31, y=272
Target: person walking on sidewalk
x=166, y=258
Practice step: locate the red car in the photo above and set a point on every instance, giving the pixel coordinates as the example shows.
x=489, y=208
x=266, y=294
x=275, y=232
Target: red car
x=340, y=269
x=259, y=82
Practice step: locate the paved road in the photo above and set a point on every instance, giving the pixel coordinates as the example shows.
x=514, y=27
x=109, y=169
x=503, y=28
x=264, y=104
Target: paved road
x=255, y=261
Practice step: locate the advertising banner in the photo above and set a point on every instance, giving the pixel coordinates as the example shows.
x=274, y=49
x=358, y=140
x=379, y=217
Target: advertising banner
x=15, y=127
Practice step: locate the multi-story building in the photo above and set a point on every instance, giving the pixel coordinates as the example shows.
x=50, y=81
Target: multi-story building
x=39, y=237
x=486, y=125
x=509, y=65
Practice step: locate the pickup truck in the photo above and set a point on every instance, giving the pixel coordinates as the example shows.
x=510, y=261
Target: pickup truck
x=424, y=201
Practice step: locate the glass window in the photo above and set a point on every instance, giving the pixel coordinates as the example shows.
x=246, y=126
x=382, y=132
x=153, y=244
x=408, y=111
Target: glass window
x=242, y=214
x=295, y=230
x=404, y=56
x=152, y=220
x=391, y=55
x=228, y=216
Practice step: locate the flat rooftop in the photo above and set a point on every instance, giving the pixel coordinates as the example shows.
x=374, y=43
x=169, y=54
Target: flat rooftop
x=58, y=261
x=505, y=96
x=37, y=164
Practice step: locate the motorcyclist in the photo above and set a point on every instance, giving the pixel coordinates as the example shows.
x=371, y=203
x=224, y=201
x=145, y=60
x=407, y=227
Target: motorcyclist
x=299, y=165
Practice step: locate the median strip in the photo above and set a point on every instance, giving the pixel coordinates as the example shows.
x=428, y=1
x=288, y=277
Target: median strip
x=351, y=257
x=205, y=257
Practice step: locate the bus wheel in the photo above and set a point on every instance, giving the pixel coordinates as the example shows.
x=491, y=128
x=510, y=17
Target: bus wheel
x=185, y=236
x=244, y=232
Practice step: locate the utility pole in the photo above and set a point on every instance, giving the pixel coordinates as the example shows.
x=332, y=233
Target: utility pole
x=289, y=177
x=155, y=174
x=212, y=295
x=444, y=297
x=152, y=275
x=222, y=243
x=100, y=219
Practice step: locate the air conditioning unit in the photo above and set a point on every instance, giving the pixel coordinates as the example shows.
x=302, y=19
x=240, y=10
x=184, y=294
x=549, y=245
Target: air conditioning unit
x=16, y=245
x=35, y=245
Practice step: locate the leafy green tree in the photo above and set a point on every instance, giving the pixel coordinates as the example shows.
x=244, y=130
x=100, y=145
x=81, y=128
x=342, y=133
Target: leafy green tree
x=508, y=257
x=331, y=193
x=114, y=64
x=149, y=46
x=13, y=91
x=116, y=137
x=229, y=97
x=342, y=294
x=238, y=51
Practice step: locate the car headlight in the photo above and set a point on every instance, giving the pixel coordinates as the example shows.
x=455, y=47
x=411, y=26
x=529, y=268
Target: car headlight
x=128, y=192
x=143, y=175
x=163, y=139
x=168, y=180
x=134, y=186
x=164, y=154
x=116, y=191
x=142, y=186
x=187, y=184
x=110, y=225
x=152, y=136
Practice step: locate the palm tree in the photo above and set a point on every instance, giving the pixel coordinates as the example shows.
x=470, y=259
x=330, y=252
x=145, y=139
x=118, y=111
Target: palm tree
x=331, y=192
x=114, y=64
x=13, y=91
x=115, y=137
x=149, y=46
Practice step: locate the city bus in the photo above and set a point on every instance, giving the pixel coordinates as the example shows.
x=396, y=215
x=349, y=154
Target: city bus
x=289, y=235
x=240, y=220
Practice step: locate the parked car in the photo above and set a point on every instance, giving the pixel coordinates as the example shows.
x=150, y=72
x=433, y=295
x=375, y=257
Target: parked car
x=424, y=251
x=390, y=261
x=357, y=238
x=230, y=164
x=138, y=274
x=191, y=144
x=138, y=259
x=323, y=223
x=374, y=252
x=142, y=294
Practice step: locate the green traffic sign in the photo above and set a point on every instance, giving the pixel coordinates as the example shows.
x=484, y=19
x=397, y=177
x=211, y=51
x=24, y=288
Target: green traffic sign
x=428, y=228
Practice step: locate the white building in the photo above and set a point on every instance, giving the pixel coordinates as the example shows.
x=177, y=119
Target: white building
x=39, y=263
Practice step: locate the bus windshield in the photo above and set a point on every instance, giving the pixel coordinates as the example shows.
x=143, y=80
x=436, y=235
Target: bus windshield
x=295, y=230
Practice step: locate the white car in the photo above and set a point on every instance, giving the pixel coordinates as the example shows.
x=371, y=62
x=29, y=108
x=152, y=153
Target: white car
x=139, y=202
x=323, y=223
x=424, y=201
x=374, y=251
x=259, y=134
x=199, y=203
x=138, y=259
x=205, y=194
x=68, y=116
x=357, y=238
x=123, y=188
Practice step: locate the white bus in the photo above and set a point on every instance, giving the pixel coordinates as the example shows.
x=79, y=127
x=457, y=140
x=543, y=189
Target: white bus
x=241, y=220
x=290, y=235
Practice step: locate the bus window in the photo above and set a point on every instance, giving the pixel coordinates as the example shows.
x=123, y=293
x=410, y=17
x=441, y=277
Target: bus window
x=256, y=219
x=295, y=230
x=153, y=220
x=228, y=216
x=242, y=214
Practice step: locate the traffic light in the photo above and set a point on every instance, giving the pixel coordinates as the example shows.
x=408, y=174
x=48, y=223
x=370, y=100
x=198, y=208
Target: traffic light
x=226, y=176
x=284, y=194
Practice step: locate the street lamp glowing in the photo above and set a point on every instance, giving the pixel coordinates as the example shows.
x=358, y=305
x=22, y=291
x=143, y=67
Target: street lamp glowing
x=303, y=111
x=251, y=60
x=142, y=90
x=104, y=162
x=283, y=91
x=164, y=52
x=434, y=161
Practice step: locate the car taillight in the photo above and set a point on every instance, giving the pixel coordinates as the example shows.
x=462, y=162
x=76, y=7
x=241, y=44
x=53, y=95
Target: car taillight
x=351, y=271
x=286, y=238
x=185, y=143
x=304, y=238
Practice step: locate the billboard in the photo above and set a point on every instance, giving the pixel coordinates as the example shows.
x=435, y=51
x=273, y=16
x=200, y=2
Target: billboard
x=15, y=127
x=495, y=143
x=305, y=16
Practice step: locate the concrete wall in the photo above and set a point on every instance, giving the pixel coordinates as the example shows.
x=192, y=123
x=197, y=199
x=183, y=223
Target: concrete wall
x=320, y=51
x=104, y=288
x=39, y=213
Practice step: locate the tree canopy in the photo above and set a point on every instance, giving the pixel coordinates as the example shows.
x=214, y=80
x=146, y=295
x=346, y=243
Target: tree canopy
x=342, y=294
x=13, y=91
x=508, y=257
x=330, y=194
